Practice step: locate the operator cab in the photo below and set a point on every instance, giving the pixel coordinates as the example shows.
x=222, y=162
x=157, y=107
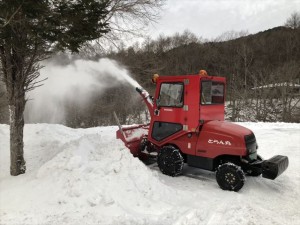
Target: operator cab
x=181, y=102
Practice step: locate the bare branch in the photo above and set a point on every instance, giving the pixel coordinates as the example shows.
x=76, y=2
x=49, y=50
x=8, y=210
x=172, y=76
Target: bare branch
x=12, y=16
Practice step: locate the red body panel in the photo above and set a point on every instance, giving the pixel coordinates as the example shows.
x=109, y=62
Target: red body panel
x=215, y=138
x=221, y=138
x=186, y=143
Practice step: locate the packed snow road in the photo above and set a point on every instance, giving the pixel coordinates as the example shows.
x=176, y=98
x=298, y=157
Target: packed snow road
x=86, y=176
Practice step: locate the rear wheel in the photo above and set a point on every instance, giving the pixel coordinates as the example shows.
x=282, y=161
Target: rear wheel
x=170, y=161
x=230, y=177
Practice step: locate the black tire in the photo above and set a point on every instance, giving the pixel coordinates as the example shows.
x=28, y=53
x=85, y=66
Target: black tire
x=230, y=177
x=170, y=161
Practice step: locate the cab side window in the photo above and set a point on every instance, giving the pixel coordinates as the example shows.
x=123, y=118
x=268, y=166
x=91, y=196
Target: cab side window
x=212, y=92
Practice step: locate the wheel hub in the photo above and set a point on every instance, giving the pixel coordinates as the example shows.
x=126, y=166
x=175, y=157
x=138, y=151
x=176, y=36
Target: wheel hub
x=230, y=178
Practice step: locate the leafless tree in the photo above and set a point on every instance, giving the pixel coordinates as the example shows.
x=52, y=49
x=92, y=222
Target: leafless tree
x=293, y=21
x=128, y=19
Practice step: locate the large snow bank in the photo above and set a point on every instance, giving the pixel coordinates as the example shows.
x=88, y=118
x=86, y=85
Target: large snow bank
x=86, y=176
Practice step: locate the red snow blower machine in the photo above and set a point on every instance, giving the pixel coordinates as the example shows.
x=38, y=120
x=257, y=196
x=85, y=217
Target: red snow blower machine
x=187, y=126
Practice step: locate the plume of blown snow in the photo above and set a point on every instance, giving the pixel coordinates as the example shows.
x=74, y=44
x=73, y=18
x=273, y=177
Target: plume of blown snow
x=76, y=82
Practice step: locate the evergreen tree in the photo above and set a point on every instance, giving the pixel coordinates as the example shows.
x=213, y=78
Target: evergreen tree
x=29, y=32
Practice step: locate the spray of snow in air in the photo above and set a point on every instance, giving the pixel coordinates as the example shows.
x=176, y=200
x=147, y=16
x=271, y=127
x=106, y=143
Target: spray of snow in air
x=76, y=82
x=130, y=80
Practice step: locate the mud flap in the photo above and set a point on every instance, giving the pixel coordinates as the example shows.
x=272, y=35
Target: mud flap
x=274, y=166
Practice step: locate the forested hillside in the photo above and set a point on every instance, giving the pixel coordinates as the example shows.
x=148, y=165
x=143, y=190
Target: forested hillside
x=248, y=62
x=262, y=71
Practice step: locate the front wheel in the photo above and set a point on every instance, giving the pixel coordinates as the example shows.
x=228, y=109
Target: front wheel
x=230, y=177
x=170, y=161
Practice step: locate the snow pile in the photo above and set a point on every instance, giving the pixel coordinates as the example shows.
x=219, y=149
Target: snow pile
x=86, y=176
x=82, y=175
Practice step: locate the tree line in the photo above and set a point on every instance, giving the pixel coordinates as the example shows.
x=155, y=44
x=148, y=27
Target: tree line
x=250, y=63
x=262, y=72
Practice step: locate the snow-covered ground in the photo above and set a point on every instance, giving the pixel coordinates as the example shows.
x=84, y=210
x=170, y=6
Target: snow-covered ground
x=86, y=176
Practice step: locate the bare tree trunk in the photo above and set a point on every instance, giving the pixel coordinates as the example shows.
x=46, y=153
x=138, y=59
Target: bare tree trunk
x=12, y=65
x=16, y=109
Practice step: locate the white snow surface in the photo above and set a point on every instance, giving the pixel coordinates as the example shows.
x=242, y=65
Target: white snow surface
x=86, y=176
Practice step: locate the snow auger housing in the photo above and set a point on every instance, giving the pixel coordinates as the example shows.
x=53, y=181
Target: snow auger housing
x=187, y=126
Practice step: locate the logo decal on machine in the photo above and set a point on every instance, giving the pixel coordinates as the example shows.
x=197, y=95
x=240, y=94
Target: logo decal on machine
x=218, y=142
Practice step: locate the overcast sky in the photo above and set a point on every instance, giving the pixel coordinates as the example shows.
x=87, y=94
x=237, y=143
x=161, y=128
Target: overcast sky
x=210, y=18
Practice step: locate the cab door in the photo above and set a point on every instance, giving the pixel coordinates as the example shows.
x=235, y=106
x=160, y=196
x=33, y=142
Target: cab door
x=167, y=119
x=173, y=111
